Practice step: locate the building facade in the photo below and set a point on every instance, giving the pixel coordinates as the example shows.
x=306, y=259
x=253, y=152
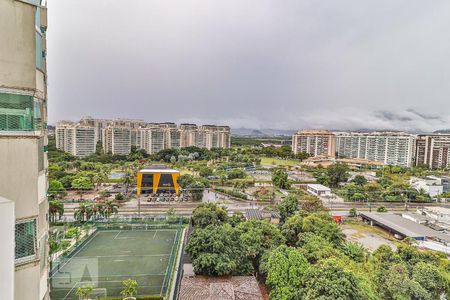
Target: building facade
x=314, y=142
x=391, y=148
x=433, y=150
x=118, y=136
x=117, y=139
x=23, y=146
x=76, y=139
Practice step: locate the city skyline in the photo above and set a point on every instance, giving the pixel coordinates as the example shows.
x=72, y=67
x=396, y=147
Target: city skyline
x=296, y=65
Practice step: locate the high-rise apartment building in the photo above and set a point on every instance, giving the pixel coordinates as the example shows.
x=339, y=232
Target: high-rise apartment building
x=117, y=139
x=188, y=134
x=23, y=146
x=314, y=142
x=433, y=150
x=76, y=139
x=391, y=148
x=213, y=136
x=152, y=139
x=98, y=125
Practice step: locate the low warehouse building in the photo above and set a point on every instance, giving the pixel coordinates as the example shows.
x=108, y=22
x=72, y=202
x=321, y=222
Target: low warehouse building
x=404, y=228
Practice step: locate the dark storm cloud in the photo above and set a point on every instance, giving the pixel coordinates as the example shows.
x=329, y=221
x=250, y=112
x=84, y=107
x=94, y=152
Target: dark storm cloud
x=390, y=116
x=424, y=116
x=253, y=63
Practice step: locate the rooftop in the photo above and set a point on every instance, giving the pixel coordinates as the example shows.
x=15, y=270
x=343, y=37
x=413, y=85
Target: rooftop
x=220, y=288
x=317, y=186
x=405, y=227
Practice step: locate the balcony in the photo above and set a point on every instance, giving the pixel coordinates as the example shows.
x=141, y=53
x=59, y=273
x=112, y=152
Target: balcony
x=19, y=113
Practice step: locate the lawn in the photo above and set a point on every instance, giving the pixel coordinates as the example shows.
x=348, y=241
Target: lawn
x=279, y=162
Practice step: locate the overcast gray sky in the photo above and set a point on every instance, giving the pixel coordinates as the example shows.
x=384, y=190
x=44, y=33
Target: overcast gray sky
x=253, y=63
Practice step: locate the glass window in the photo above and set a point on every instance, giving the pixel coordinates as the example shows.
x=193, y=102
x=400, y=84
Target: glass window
x=39, y=56
x=16, y=112
x=26, y=240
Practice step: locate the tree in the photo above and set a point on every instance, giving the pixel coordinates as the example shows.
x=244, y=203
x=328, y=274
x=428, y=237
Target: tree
x=359, y=197
x=288, y=206
x=99, y=178
x=256, y=237
x=312, y=205
x=205, y=172
x=360, y=180
x=216, y=250
x=126, y=180
x=80, y=212
x=280, y=179
x=291, y=229
x=353, y=212
x=129, y=288
x=381, y=209
x=84, y=292
x=354, y=251
x=110, y=208
x=208, y=214
x=329, y=280
x=236, y=173
x=55, y=189
x=236, y=219
x=285, y=268
x=323, y=225
x=55, y=208
x=119, y=197
x=337, y=173
x=430, y=278
x=82, y=184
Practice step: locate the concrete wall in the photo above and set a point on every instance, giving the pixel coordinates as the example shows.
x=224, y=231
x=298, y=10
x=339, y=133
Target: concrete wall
x=19, y=174
x=27, y=282
x=17, y=49
x=7, y=221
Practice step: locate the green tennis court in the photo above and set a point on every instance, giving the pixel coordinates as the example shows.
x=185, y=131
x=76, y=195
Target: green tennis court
x=110, y=256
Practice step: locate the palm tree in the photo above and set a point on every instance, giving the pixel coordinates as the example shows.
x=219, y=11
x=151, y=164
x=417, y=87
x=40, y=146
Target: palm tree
x=80, y=212
x=126, y=180
x=90, y=211
x=99, y=178
x=110, y=208
x=55, y=208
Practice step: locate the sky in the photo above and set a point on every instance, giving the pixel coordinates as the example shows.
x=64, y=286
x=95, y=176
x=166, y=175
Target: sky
x=347, y=64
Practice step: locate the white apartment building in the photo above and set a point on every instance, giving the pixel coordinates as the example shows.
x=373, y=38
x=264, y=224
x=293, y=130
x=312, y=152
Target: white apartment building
x=23, y=146
x=391, y=148
x=98, y=125
x=152, y=139
x=213, y=136
x=314, y=142
x=172, y=138
x=117, y=140
x=188, y=132
x=76, y=139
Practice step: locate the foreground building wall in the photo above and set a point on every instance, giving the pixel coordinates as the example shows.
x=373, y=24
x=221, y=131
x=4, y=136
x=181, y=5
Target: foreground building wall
x=23, y=141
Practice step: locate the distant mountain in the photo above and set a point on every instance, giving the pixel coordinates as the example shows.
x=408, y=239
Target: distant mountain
x=261, y=132
x=442, y=131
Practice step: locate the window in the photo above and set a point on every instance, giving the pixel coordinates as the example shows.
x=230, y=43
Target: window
x=39, y=56
x=26, y=240
x=41, y=154
x=19, y=113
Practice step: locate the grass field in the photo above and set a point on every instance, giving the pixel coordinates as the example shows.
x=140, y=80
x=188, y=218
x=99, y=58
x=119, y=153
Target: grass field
x=111, y=256
x=279, y=162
